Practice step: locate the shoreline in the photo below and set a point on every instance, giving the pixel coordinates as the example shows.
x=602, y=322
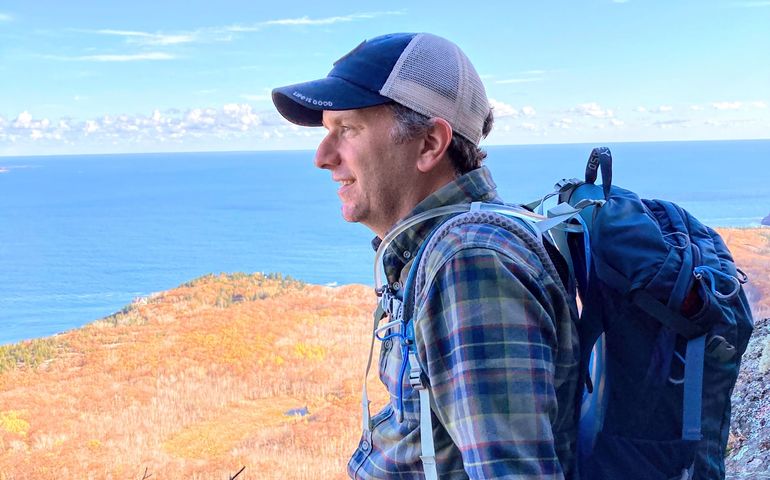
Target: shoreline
x=725, y=232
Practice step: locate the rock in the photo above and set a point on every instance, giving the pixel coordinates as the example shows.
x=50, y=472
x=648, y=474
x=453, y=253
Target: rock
x=749, y=449
x=764, y=360
x=766, y=220
x=297, y=412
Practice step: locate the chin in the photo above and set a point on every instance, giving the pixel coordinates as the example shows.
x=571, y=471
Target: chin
x=349, y=216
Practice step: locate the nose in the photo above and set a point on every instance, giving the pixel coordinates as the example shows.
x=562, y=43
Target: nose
x=326, y=156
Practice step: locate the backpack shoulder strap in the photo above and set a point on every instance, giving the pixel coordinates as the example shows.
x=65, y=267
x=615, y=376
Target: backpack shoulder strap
x=419, y=277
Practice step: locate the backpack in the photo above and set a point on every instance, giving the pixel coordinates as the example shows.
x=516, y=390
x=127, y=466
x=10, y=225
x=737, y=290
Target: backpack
x=663, y=325
x=664, y=299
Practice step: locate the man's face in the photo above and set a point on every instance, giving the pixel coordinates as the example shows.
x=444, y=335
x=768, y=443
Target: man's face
x=375, y=173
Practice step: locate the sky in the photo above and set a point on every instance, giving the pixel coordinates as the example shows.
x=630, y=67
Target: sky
x=82, y=77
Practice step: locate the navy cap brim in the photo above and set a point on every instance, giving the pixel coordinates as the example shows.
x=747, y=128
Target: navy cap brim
x=303, y=103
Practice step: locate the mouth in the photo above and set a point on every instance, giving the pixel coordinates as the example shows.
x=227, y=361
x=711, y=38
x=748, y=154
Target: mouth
x=344, y=183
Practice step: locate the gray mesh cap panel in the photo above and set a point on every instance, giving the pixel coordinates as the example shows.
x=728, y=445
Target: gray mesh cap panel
x=435, y=78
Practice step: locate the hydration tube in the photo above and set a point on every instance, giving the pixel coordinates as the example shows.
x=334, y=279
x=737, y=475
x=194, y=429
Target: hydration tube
x=530, y=217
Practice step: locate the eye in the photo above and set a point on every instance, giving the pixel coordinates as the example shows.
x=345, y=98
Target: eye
x=345, y=130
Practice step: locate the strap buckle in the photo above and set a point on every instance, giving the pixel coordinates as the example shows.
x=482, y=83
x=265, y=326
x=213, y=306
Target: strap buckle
x=391, y=304
x=565, y=184
x=416, y=377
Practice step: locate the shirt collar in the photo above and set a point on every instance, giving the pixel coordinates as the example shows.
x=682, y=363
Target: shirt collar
x=476, y=185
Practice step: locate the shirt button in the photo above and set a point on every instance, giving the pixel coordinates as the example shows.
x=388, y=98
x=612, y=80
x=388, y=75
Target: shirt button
x=388, y=344
x=365, y=446
x=407, y=254
x=396, y=286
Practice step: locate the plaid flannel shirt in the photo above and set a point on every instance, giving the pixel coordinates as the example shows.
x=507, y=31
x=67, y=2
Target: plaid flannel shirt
x=496, y=338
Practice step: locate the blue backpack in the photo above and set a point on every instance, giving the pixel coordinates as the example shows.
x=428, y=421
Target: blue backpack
x=664, y=323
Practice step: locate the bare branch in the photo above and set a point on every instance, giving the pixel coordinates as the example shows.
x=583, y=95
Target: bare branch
x=239, y=472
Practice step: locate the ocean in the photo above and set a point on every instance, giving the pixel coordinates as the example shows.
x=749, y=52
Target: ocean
x=82, y=236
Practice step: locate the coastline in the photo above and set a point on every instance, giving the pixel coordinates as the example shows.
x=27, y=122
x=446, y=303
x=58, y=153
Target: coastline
x=252, y=370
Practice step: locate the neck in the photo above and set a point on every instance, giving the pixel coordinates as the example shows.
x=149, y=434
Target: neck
x=412, y=197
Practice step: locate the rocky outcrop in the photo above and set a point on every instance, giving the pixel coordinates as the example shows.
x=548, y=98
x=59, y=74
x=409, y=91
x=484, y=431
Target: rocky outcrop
x=749, y=446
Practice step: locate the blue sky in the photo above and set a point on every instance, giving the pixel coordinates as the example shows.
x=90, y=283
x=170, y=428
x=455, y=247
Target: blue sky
x=103, y=77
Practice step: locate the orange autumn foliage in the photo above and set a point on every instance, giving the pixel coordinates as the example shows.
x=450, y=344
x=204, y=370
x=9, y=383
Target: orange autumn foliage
x=202, y=380
x=196, y=382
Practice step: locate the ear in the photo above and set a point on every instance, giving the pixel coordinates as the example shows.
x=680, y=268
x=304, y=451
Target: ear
x=434, y=146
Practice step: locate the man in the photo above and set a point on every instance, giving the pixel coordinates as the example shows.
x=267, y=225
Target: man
x=494, y=334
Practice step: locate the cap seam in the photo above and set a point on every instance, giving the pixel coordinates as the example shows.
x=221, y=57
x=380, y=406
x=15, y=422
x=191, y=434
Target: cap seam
x=386, y=87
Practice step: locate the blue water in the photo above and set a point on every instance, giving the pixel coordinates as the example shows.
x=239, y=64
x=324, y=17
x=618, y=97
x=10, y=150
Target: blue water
x=81, y=236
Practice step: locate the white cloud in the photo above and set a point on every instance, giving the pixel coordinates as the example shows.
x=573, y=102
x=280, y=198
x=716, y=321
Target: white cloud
x=90, y=127
x=307, y=21
x=696, y=108
x=620, y=1
x=666, y=124
x=204, y=35
x=142, y=38
x=4, y=17
x=201, y=118
x=24, y=120
x=329, y=20
x=593, y=109
x=502, y=110
x=240, y=115
x=661, y=109
x=244, y=28
x=736, y=123
x=738, y=105
x=528, y=111
x=531, y=127
x=617, y=123
x=727, y=105
x=564, y=123
x=230, y=121
x=146, y=38
x=137, y=57
x=658, y=109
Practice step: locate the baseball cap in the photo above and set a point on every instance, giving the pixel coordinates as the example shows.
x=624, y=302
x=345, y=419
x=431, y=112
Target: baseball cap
x=421, y=71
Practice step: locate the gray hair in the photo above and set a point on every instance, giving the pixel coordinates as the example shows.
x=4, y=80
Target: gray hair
x=464, y=154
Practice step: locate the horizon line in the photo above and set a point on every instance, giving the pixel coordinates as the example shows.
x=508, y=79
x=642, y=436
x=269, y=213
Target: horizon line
x=183, y=152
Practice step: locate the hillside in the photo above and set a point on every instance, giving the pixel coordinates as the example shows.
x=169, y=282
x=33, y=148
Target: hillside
x=251, y=371
x=195, y=382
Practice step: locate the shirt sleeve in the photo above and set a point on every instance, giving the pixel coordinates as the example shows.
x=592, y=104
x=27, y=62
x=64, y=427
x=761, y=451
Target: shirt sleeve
x=486, y=334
